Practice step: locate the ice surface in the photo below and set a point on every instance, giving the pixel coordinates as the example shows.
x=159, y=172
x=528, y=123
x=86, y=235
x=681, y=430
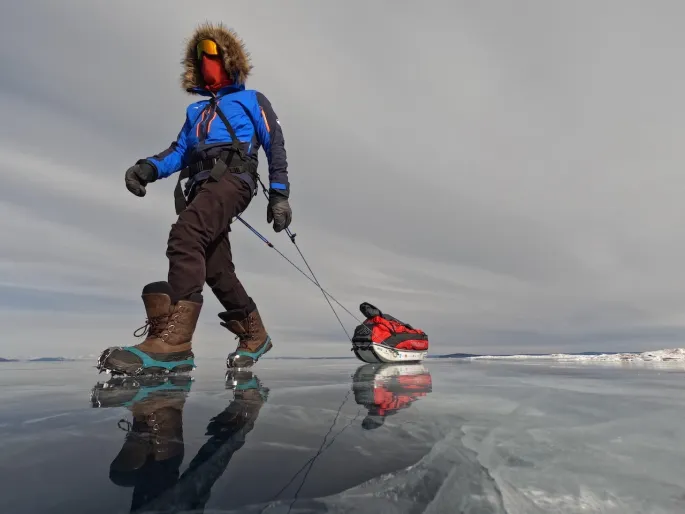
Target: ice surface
x=521, y=434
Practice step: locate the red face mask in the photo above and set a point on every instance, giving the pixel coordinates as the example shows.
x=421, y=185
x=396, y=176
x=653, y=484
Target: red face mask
x=213, y=73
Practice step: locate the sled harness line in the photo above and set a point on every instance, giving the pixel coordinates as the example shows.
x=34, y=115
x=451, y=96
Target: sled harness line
x=325, y=295
x=311, y=278
x=270, y=245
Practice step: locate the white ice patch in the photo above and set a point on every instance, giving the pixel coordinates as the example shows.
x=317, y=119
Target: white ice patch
x=285, y=446
x=666, y=355
x=46, y=418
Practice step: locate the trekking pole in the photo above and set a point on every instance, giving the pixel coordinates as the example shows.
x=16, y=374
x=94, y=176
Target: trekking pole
x=316, y=281
x=270, y=245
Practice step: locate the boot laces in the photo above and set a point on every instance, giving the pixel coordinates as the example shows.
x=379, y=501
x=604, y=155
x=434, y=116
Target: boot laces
x=242, y=341
x=248, y=335
x=148, y=436
x=153, y=326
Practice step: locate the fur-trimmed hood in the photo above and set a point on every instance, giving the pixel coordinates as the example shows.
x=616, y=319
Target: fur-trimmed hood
x=231, y=47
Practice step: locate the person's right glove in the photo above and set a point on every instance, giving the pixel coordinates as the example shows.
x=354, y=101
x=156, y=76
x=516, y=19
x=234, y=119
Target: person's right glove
x=278, y=211
x=138, y=176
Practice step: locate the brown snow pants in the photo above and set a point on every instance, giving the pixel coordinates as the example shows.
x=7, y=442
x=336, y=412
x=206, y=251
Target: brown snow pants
x=198, y=248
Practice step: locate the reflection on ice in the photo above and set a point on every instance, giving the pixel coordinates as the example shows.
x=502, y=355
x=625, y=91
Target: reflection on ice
x=586, y=434
x=153, y=450
x=385, y=389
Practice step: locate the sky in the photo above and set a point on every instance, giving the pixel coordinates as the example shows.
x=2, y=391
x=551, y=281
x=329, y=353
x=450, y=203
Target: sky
x=507, y=176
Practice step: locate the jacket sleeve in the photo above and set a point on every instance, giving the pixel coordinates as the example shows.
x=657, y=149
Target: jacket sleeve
x=173, y=158
x=270, y=136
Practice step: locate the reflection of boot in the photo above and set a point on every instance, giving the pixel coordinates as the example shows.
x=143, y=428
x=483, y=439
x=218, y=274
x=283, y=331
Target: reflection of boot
x=253, y=339
x=228, y=431
x=128, y=391
x=152, y=453
x=167, y=347
x=249, y=395
x=246, y=384
x=155, y=435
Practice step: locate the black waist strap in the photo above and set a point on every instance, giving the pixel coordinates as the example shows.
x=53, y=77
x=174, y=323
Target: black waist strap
x=203, y=170
x=204, y=165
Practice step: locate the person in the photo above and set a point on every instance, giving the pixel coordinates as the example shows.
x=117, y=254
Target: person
x=216, y=150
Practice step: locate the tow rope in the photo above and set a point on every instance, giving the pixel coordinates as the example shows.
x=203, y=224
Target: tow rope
x=311, y=278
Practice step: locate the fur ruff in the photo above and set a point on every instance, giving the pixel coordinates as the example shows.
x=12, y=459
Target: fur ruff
x=231, y=47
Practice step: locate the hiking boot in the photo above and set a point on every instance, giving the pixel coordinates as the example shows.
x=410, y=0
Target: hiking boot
x=169, y=328
x=251, y=334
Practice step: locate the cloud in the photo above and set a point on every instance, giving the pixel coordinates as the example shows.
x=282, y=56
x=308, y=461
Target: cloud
x=504, y=178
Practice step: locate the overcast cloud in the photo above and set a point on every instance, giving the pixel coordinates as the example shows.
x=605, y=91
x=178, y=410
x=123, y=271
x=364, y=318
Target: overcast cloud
x=506, y=175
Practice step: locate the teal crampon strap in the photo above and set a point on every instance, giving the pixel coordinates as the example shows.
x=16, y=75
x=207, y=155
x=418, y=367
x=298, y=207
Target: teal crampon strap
x=251, y=384
x=258, y=353
x=146, y=391
x=149, y=362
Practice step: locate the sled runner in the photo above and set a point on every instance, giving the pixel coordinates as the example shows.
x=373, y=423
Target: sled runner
x=383, y=338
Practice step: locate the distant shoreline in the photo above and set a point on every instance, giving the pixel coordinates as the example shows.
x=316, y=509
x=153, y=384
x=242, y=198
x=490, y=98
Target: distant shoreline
x=39, y=359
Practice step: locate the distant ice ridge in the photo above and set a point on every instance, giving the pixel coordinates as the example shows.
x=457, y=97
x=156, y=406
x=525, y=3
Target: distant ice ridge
x=666, y=355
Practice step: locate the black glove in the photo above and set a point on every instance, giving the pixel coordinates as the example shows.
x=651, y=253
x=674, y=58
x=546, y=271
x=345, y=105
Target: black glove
x=278, y=211
x=138, y=176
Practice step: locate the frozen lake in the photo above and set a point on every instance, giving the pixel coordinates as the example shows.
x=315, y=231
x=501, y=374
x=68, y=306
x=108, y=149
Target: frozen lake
x=516, y=435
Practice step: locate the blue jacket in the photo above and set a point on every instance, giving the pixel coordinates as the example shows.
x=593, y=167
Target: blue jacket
x=204, y=134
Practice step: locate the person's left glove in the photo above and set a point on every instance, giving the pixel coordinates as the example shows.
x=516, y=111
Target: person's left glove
x=138, y=176
x=278, y=211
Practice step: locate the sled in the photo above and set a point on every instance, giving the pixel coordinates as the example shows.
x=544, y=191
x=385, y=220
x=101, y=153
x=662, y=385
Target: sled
x=381, y=338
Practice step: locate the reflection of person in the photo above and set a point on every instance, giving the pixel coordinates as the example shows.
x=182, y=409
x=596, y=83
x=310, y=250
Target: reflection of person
x=385, y=389
x=152, y=453
x=216, y=150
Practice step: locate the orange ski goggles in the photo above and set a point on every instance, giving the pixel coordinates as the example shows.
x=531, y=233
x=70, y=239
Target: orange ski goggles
x=207, y=46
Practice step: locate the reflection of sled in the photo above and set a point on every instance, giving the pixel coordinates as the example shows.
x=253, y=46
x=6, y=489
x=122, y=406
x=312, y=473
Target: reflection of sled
x=403, y=374
x=382, y=338
x=386, y=389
